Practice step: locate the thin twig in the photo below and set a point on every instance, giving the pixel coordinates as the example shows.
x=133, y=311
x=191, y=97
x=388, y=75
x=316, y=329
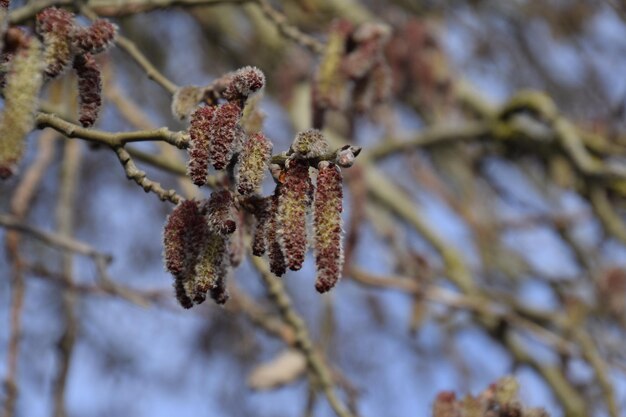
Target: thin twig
x=135, y=174
x=315, y=364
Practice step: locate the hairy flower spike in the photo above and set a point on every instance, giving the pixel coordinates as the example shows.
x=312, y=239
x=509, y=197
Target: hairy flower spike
x=225, y=134
x=245, y=82
x=263, y=216
x=221, y=215
x=275, y=251
x=199, y=144
x=309, y=144
x=253, y=162
x=23, y=83
x=96, y=38
x=327, y=226
x=183, y=235
x=89, y=89
x=211, y=268
x=56, y=26
x=293, y=204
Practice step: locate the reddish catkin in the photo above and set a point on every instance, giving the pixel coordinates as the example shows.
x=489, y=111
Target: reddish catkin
x=221, y=213
x=253, y=161
x=96, y=38
x=274, y=248
x=244, y=82
x=237, y=249
x=199, y=144
x=225, y=134
x=89, y=89
x=293, y=204
x=263, y=215
x=183, y=235
x=56, y=26
x=327, y=226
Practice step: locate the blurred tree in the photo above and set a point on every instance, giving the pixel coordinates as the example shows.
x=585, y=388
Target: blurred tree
x=474, y=151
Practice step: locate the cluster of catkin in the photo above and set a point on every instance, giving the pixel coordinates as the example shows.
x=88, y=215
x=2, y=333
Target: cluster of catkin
x=27, y=60
x=353, y=72
x=500, y=399
x=203, y=240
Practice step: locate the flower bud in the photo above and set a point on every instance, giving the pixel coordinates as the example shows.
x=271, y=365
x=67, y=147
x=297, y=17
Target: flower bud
x=199, y=144
x=245, y=82
x=253, y=162
x=309, y=144
x=293, y=203
x=89, y=89
x=327, y=229
x=94, y=39
x=23, y=83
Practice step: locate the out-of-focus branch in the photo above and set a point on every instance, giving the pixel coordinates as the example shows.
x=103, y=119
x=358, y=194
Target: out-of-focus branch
x=52, y=239
x=20, y=204
x=315, y=364
x=69, y=181
x=288, y=31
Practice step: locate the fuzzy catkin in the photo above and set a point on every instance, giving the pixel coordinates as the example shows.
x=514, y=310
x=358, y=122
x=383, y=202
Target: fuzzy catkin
x=211, y=268
x=263, y=216
x=244, y=82
x=199, y=144
x=23, y=83
x=275, y=251
x=309, y=144
x=220, y=213
x=56, y=27
x=225, y=134
x=89, y=89
x=94, y=39
x=253, y=162
x=184, y=234
x=327, y=208
x=293, y=204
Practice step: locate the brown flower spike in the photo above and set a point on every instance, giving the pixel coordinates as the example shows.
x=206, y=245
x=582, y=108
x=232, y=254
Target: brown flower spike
x=199, y=144
x=56, y=26
x=89, y=89
x=221, y=216
x=263, y=216
x=184, y=234
x=293, y=203
x=225, y=134
x=253, y=162
x=274, y=248
x=327, y=226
